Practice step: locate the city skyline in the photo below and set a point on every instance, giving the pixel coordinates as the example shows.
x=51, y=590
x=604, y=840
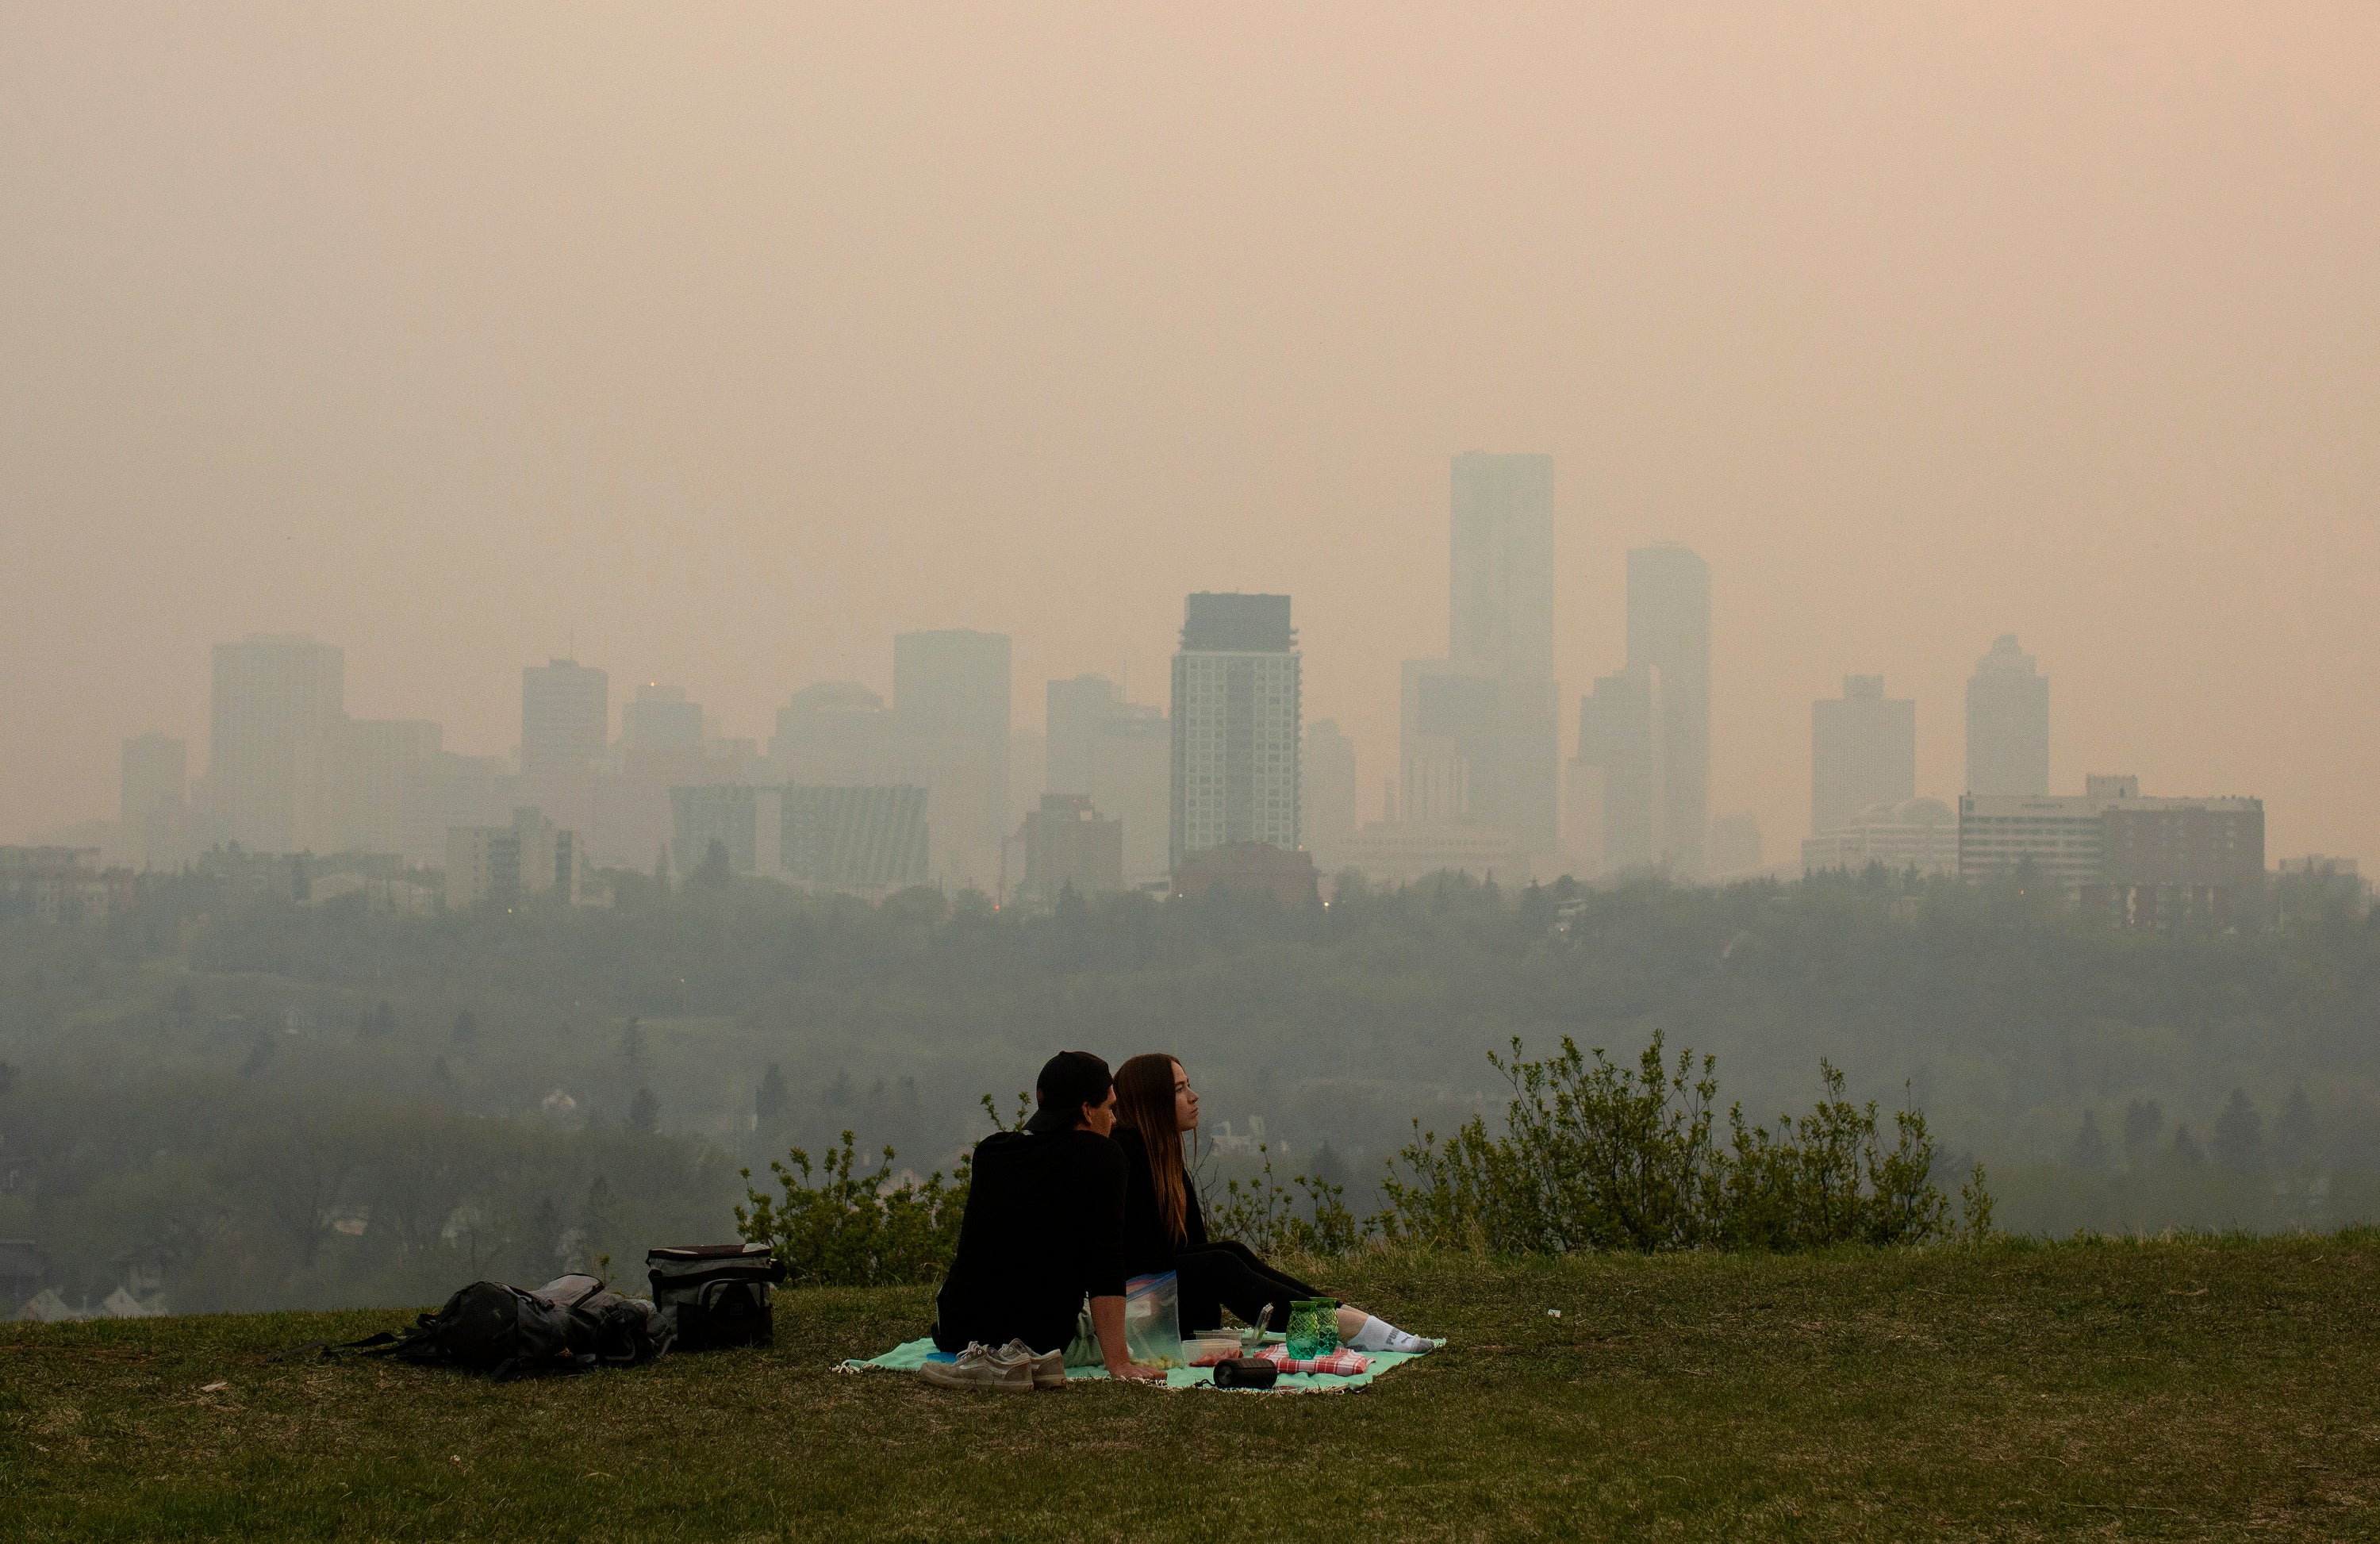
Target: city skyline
x=1920, y=333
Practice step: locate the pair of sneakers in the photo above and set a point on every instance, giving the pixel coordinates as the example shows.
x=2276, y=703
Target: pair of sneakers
x=1013, y=1368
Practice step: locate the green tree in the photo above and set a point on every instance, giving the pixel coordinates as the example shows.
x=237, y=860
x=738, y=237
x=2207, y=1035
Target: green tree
x=644, y=1113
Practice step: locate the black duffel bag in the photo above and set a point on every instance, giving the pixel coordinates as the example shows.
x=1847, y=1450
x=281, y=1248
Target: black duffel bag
x=716, y=1295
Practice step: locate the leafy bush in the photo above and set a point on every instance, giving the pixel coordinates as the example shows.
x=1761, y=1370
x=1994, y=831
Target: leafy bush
x=831, y=1227
x=1265, y=1217
x=1597, y=1156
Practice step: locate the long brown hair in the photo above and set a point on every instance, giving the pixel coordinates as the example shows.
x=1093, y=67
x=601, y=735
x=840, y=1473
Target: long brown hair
x=1144, y=1089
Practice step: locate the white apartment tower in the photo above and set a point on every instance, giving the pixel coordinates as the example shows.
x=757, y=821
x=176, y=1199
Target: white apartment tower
x=1236, y=715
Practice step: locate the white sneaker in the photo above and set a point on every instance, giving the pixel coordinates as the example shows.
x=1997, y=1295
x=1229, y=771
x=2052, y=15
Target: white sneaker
x=979, y=1367
x=1049, y=1367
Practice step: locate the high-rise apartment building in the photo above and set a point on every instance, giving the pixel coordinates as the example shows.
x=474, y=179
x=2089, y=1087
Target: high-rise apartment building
x=951, y=690
x=1669, y=634
x=369, y=760
x=2007, y=723
x=1477, y=733
x=1236, y=714
x=1326, y=802
x=1863, y=753
x=276, y=696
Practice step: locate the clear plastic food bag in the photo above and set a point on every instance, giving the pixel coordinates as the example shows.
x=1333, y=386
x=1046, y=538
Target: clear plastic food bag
x=1152, y=1321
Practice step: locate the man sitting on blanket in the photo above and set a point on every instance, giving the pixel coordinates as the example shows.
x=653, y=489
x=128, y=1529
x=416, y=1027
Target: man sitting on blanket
x=1043, y=1227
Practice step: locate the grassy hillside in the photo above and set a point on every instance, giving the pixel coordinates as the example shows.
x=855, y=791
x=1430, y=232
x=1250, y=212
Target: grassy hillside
x=2187, y=1389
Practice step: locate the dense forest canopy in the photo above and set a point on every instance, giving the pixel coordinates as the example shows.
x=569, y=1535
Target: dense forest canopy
x=311, y=1103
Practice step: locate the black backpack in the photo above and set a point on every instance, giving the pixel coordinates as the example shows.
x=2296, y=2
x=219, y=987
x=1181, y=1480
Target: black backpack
x=716, y=1295
x=569, y=1325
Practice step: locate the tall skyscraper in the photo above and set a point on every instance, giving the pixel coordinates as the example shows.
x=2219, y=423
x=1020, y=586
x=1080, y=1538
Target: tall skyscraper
x=1478, y=734
x=1863, y=753
x=565, y=719
x=952, y=685
x=1669, y=632
x=1236, y=714
x=1327, y=807
x=276, y=696
x=2007, y=723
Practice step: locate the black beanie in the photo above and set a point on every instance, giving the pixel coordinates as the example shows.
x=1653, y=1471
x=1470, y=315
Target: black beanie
x=1069, y=1080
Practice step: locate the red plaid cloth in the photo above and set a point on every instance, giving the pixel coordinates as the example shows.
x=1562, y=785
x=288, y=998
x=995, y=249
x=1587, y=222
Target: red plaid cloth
x=1342, y=1363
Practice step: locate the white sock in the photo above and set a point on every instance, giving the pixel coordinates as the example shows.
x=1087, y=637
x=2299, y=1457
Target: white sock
x=1379, y=1334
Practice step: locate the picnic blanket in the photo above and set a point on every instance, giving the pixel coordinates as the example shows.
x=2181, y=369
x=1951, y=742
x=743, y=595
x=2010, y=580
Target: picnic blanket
x=910, y=1357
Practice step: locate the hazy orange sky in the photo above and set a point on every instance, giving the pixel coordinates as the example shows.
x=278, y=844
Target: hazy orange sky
x=734, y=340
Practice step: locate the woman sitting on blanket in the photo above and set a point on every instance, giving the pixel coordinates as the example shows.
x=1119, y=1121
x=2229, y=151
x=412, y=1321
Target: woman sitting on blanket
x=1165, y=1230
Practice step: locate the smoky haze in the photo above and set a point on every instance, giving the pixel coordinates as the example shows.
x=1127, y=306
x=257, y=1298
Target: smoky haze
x=720, y=342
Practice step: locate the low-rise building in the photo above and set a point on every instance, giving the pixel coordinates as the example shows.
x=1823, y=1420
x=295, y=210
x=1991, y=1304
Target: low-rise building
x=1286, y=874
x=1400, y=852
x=1067, y=843
x=502, y=865
x=2142, y=861
x=65, y=885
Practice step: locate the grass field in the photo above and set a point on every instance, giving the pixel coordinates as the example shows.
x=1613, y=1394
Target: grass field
x=2174, y=1390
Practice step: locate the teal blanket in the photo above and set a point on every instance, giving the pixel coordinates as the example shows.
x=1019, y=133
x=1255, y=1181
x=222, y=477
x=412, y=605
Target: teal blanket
x=910, y=1357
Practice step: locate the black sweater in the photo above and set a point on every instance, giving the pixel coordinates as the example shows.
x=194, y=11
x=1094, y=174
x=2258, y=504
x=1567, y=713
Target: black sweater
x=1042, y=1228
x=1148, y=1247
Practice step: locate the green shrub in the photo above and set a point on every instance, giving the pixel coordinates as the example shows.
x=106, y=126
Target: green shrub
x=834, y=1228
x=1597, y=1156
x=1265, y=1217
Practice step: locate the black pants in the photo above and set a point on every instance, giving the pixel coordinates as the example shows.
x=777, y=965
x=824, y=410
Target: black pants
x=1213, y=1277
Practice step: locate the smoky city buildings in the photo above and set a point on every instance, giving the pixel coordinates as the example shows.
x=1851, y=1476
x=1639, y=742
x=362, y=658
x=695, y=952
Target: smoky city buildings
x=276, y=696
x=951, y=699
x=2007, y=723
x=1500, y=631
x=1670, y=638
x=1863, y=753
x=1327, y=800
x=566, y=718
x=1236, y=714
